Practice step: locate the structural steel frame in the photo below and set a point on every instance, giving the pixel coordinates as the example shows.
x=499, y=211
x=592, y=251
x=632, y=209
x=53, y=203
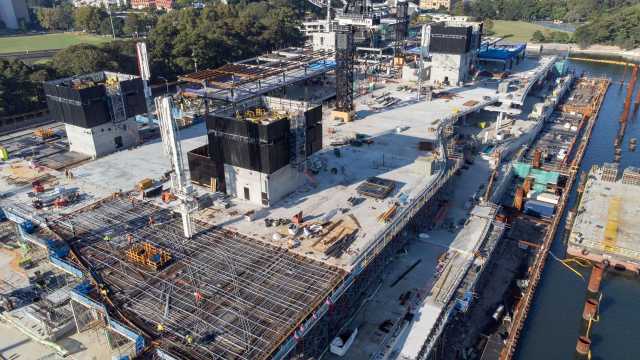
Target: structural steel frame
x=256, y=76
x=250, y=296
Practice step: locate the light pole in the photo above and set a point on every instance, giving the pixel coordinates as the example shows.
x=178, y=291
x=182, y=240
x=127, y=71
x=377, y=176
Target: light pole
x=113, y=29
x=166, y=83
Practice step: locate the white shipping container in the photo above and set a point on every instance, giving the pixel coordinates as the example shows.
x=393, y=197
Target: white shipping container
x=548, y=198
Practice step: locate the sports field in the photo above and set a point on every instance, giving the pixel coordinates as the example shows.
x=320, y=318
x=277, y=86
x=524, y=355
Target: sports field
x=517, y=31
x=47, y=41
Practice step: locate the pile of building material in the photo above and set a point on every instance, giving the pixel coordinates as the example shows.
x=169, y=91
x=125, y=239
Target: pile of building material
x=335, y=237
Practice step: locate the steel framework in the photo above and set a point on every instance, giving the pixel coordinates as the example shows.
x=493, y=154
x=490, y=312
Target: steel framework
x=249, y=296
x=345, y=59
x=402, y=27
x=256, y=76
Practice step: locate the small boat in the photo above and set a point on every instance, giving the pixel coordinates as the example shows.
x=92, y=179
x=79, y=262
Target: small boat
x=632, y=144
x=341, y=343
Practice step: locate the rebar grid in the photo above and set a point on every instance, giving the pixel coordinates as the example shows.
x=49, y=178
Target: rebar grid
x=253, y=294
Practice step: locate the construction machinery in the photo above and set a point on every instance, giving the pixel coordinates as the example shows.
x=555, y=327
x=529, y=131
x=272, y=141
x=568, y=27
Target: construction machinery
x=180, y=185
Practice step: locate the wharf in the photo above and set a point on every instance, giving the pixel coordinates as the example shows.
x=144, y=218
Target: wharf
x=578, y=142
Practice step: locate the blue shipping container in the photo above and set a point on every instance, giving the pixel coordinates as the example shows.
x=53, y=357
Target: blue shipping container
x=27, y=226
x=539, y=208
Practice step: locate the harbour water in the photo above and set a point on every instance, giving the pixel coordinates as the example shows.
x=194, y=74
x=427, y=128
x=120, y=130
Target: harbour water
x=552, y=327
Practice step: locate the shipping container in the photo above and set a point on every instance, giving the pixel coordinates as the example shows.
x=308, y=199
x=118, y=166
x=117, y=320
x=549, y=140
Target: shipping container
x=548, y=197
x=539, y=208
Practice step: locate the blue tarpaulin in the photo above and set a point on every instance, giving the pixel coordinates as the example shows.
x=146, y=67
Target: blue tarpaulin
x=502, y=53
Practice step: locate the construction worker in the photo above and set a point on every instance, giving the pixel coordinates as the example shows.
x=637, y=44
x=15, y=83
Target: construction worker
x=130, y=238
x=160, y=327
x=106, y=238
x=189, y=339
x=198, y=296
x=151, y=220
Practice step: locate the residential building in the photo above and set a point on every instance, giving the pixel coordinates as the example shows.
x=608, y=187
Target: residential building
x=158, y=4
x=437, y=4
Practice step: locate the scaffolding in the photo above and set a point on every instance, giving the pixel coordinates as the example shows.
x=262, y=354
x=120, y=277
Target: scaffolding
x=249, y=297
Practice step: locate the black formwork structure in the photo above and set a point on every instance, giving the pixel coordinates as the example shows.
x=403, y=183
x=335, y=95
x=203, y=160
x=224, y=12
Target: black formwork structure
x=345, y=59
x=86, y=101
x=402, y=27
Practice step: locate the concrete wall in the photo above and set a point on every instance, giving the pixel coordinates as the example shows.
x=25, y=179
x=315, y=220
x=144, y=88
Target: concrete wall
x=452, y=66
x=323, y=40
x=101, y=140
x=275, y=186
x=283, y=182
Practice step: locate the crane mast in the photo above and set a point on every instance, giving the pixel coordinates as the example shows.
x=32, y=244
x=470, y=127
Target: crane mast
x=180, y=185
x=145, y=74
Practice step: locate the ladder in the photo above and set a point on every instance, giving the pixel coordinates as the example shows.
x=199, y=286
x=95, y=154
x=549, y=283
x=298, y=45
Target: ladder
x=299, y=146
x=118, y=110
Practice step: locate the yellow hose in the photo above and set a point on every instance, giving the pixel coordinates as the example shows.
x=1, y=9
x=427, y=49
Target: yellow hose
x=567, y=266
x=583, y=263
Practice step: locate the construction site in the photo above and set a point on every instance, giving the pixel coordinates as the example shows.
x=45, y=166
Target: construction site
x=309, y=202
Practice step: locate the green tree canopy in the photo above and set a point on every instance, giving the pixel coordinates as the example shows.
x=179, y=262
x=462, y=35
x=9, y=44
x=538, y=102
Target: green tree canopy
x=89, y=18
x=58, y=18
x=82, y=59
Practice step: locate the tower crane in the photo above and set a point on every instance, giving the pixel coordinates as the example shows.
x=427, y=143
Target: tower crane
x=180, y=185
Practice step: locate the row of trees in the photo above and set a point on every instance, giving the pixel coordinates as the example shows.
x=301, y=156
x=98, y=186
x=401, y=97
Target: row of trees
x=568, y=10
x=93, y=20
x=20, y=89
x=615, y=22
x=221, y=33
x=620, y=27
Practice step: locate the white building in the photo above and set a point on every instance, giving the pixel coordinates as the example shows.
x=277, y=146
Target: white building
x=13, y=13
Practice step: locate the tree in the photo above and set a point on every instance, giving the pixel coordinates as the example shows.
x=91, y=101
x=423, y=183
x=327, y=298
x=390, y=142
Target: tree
x=618, y=27
x=89, y=18
x=483, y=9
x=538, y=37
x=20, y=87
x=559, y=37
x=59, y=18
x=459, y=8
x=82, y=59
x=488, y=27
x=132, y=24
x=220, y=33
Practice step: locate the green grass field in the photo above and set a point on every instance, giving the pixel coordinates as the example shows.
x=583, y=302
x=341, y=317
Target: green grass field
x=47, y=41
x=516, y=31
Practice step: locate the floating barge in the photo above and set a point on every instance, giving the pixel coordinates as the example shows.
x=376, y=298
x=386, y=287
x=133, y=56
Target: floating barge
x=606, y=228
